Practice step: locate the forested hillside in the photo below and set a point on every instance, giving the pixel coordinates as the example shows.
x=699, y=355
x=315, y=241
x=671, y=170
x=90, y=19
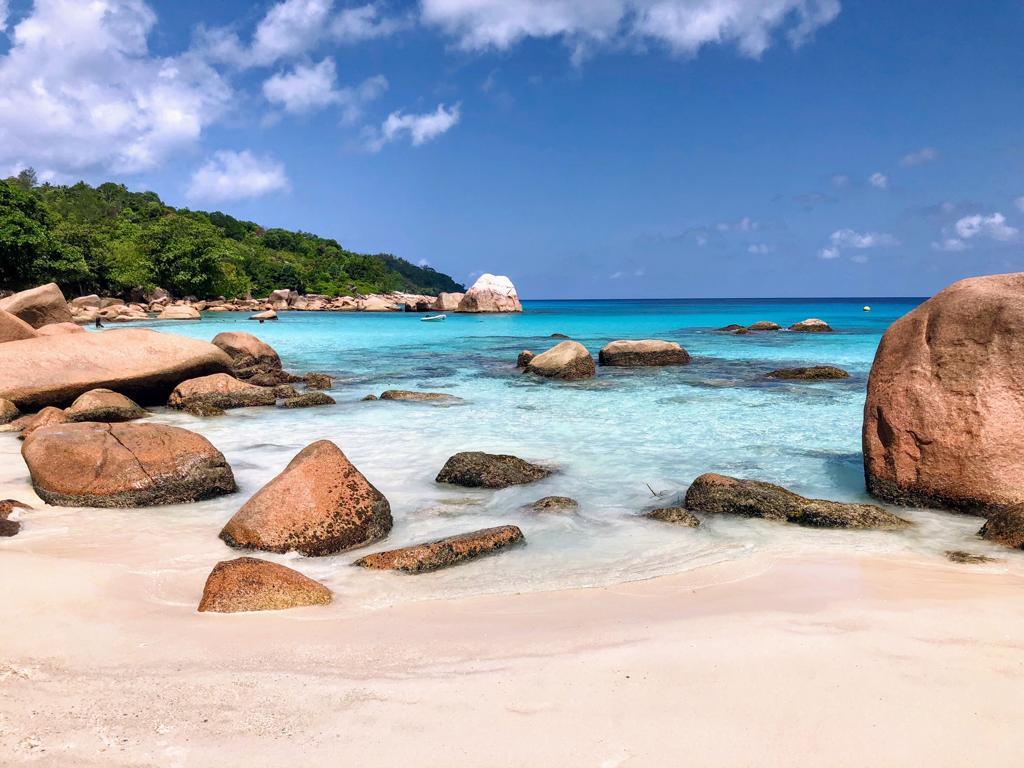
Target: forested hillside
x=110, y=241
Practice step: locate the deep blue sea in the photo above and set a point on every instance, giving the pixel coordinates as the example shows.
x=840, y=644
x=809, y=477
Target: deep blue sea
x=624, y=442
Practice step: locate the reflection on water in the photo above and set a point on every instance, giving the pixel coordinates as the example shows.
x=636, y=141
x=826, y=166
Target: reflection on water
x=614, y=439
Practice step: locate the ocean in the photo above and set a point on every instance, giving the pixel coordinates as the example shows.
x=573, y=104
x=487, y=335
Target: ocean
x=625, y=442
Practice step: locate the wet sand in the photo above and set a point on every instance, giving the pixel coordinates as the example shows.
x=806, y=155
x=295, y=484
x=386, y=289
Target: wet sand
x=838, y=661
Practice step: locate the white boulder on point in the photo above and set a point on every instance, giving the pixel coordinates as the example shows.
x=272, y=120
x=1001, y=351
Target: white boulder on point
x=491, y=293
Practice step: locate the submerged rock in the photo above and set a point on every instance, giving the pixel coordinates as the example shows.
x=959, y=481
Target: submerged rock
x=568, y=361
x=319, y=505
x=555, y=504
x=763, y=325
x=13, y=328
x=203, y=410
x=812, y=373
x=401, y=394
x=446, y=552
x=475, y=469
x=308, y=400
x=103, y=405
x=141, y=364
x=732, y=328
x=811, y=325
x=10, y=528
x=944, y=416
x=968, y=558
x=491, y=293
x=721, y=495
x=675, y=515
x=648, y=352
x=318, y=381
x=369, y=398
x=124, y=465
x=38, y=306
x=524, y=358
x=1006, y=527
x=558, y=336
x=250, y=584
x=220, y=390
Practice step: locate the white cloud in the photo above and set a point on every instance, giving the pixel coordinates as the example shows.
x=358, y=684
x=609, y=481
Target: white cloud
x=844, y=239
x=760, y=248
x=922, y=156
x=365, y=22
x=419, y=128
x=305, y=88
x=683, y=26
x=993, y=226
x=235, y=176
x=79, y=90
x=878, y=180
x=950, y=244
x=289, y=29
x=4, y=10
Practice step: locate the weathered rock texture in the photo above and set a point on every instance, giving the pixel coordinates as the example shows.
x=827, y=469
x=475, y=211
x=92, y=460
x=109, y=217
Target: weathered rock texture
x=250, y=584
x=720, y=495
x=249, y=356
x=420, y=397
x=812, y=373
x=446, y=552
x=57, y=329
x=944, y=416
x=1006, y=527
x=811, y=325
x=48, y=416
x=568, y=361
x=524, y=358
x=555, y=504
x=179, y=312
x=38, y=306
x=8, y=411
x=763, y=325
x=10, y=527
x=475, y=469
x=447, y=302
x=308, y=400
x=124, y=465
x=141, y=364
x=220, y=390
x=674, y=515
x=646, y=352
x=319, y=505
x=13, y=328
x=103, y=405
x=491, y=293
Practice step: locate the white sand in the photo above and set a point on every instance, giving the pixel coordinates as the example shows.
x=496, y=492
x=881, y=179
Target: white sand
x=834, y=662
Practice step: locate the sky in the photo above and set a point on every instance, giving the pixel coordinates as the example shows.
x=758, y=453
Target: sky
x=585, y=148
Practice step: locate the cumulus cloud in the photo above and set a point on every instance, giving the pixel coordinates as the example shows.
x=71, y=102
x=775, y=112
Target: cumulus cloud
x=843, y=239
x=235, y=176
x=4, y=10
x=950, y=244
x=418, y=128
x=878, y=180
x=993, y=226
x=682, y=26
x=309, y=87
x=79, y=90
x=922, y=156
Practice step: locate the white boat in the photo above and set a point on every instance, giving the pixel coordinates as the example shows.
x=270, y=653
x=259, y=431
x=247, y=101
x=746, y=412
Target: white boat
x=433, y=318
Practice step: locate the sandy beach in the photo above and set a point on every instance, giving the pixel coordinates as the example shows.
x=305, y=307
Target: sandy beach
x=837, y=661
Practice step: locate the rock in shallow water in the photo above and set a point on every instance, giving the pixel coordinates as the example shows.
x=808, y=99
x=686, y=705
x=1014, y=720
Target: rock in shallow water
x=763, y=325
x=44, y=418
x=643, y=353
x=318, y=381
x=220, y=390
x=319, y=505
x=446, y=552
x=124, y=465
x=718, y=494
x=249, y=355
x=968, y=558
x=811, y=373
x=568, y=361
x=308, y=400
x=524, y=358
x=10, y=528
x=475, y=469
x=1005, y=527
x=811, y=325
x=674, y=515
x=401, y=394
x=555, y=504
x=251, y=584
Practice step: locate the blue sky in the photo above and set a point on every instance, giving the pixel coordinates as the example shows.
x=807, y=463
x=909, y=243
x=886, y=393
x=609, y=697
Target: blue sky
x=586, y=148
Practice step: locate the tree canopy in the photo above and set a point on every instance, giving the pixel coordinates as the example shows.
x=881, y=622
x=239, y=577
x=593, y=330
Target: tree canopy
x=111, y=241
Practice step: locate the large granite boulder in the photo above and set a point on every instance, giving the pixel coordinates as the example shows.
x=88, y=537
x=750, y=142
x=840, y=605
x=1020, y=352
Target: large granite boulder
x=250, y=584
x=142, y=364
x=319, y=505
x=124, y=465
x=643, y=353
x=58, y=329
x=944, y=416
x=220, y=390
x=447, y=302
x=13, y=328
x=491, y=293
x=720, y=495
x=810, y=373
x=445, y=552
x=38, y=306
x=568, y=361
x=103, y=405
x=474, y=469
x=179, y=312
x=249, y=355
x=1005, y=526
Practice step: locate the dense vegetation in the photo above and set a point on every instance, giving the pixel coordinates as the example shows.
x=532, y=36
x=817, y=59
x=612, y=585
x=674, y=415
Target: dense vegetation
x=110, y=241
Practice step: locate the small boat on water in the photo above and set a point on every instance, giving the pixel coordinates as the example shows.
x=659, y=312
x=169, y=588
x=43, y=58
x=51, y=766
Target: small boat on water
x=867, y=308
x=433, y=318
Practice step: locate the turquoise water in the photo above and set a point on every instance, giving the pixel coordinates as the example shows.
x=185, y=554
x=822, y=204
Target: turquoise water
x=617, y=440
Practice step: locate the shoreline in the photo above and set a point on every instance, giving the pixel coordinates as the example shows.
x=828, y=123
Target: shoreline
x=830, y=656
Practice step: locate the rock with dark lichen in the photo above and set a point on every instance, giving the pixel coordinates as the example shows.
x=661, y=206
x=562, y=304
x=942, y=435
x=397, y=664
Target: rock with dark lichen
x=285, y=391
x=524, y=358
x=8, y=411
x=220, y=390
x=251, y=584
x=318, y=381
x=10, y=528
x=555, y=504
x=648, y=352
x=717, y=494
x=763, y=325
x=319, y=505
x=968, y=558
x=308, y=400
x=369, y=398
x=732, y=328
x=419, y=397
x=103, y=405
x=446, y=552
x=1006, y=527
x=811, y=373
x=674, y=515
x=475, y=469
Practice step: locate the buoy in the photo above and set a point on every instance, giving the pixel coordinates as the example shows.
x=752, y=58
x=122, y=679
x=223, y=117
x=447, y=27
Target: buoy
x=867, y=308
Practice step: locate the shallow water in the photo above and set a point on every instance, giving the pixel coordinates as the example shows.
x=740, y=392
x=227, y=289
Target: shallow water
x=617, y=440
